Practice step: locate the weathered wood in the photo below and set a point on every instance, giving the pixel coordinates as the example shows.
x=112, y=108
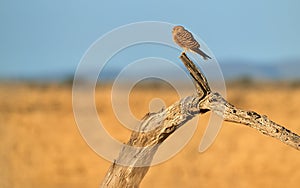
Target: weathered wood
x=262, y=123
x=199, y=79
x=156, y=127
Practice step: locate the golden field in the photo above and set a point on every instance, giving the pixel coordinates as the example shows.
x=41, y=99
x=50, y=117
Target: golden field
x=42, y=147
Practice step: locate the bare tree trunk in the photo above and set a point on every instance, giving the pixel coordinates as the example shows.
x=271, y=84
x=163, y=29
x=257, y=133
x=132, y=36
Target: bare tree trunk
x=164, y=123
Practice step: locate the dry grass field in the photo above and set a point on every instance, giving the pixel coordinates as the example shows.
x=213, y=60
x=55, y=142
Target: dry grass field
x=40, y=145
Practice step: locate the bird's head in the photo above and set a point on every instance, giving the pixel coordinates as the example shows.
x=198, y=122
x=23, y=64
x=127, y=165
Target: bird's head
x=178, y=28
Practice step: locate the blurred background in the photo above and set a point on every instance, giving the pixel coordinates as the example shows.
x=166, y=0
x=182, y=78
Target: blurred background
x=46, y=39
x=257, y=45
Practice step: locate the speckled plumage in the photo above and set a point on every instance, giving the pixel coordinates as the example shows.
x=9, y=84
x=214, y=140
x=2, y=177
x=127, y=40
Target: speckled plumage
x=185, y=40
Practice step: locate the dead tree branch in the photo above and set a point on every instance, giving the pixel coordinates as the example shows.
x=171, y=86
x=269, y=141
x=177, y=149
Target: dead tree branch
x=156, y=127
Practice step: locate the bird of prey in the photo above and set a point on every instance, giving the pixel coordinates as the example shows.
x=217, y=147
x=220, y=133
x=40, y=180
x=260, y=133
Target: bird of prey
x=185, y=40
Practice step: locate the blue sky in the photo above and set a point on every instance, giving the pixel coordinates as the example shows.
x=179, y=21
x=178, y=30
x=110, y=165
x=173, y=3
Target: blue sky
x=40, y=37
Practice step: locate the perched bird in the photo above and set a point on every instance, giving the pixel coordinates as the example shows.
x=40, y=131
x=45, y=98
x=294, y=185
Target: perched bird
x=185, y=40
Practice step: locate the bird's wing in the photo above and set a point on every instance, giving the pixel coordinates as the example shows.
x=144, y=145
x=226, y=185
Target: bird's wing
x=187, y=40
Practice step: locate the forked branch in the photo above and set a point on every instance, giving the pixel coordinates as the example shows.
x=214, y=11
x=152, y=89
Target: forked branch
x=156, y=127
x=217, y=104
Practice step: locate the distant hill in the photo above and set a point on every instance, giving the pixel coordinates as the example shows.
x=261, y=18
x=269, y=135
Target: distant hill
x=289, y=70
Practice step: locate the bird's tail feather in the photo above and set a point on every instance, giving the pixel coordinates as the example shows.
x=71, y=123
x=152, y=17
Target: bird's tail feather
x=200, y=52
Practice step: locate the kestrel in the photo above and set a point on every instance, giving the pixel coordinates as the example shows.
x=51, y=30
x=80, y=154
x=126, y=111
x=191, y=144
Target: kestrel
x=185, y=40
